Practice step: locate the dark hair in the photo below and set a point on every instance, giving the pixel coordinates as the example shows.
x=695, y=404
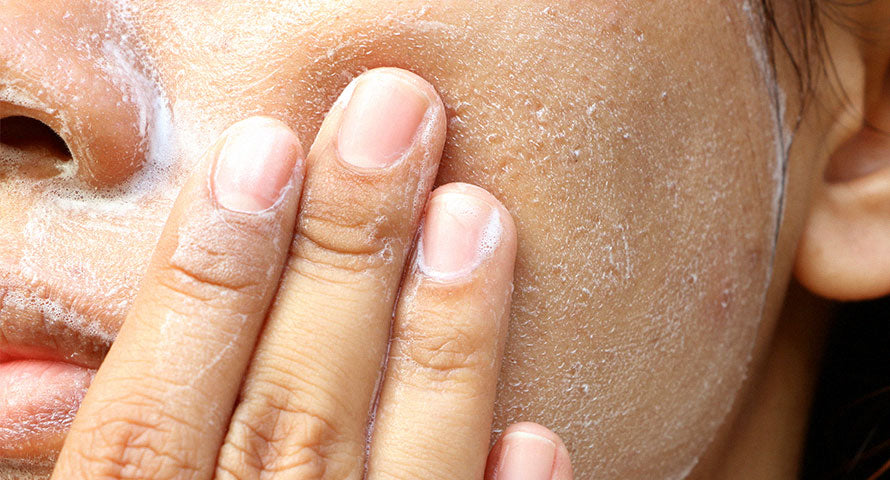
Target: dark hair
x=799, y=39
x=849, y=433
x=795, y=42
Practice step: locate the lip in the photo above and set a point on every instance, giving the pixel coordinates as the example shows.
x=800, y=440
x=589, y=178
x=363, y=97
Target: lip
x=40, y=399
x=35, y=325
x=49, y=353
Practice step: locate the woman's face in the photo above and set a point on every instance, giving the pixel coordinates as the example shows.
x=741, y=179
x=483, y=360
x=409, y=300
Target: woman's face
x=638, y=145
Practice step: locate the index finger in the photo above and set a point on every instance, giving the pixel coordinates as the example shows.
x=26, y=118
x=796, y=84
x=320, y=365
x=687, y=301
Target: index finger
x=160, y=404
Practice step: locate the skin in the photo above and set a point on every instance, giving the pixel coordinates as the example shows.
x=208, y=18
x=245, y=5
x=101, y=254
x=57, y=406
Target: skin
x=652, y=259
x=301, y=409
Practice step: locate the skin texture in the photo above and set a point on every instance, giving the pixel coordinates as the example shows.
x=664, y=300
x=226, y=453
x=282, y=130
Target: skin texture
x=652, y=258
x=653, y=345
x=169, y=401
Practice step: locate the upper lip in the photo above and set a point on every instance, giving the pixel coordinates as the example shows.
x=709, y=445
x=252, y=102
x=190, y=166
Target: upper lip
x=40, y=322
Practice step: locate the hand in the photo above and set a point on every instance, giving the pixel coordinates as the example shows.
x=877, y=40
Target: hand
x=264, y=343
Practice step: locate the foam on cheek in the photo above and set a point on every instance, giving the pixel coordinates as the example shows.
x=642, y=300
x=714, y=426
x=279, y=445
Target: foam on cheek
x=781, y=137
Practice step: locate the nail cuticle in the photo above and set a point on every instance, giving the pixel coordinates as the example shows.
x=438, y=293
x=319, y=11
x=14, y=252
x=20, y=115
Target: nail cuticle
x=256, y=167
x=383, y=122
x=465, y=233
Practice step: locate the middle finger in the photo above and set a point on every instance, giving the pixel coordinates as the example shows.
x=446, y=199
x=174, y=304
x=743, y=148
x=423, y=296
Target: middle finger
x=312, y=382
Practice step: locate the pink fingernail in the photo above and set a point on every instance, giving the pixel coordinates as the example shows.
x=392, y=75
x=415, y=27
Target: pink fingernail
x=381, y=120
x=526, y=456
x=459, y=231
x=255, y=164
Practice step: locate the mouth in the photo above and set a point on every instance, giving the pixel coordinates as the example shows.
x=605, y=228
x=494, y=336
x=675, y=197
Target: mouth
x=49, y=353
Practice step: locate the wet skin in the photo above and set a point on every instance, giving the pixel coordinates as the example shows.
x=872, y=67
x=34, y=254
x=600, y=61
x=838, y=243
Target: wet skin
x=645, y=192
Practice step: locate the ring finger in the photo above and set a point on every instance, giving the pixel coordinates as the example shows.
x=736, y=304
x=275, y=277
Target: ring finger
x=434, y=415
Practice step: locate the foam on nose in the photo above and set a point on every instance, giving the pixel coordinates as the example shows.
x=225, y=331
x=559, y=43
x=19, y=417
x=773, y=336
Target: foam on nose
x=78, y=70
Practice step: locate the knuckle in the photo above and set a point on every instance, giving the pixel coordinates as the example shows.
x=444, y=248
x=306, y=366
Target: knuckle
x=335, y=242
x=206, y=274
x=138, y=446
x=270, y=435
x=445, y=347
x=219, y=257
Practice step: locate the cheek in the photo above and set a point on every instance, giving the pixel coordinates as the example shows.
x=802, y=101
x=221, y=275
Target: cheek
x=644, y=190
x=645, y=257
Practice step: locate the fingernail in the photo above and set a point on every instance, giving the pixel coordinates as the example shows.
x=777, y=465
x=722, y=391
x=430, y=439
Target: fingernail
x=458, y=232
x=526, y=456
x=381, y=120
x=255, y=164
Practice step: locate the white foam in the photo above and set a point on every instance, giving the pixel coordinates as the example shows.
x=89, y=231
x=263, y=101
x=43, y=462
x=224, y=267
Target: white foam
x=126, y=64
x=10, y=93
x=55, y=314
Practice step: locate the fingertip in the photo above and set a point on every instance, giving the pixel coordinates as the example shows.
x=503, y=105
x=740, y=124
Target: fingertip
x=465, y=227
x=530, y=451
x=414, y=79
x=273, y=128
x=258, y=161
x=382, y=117
x=483, y=195
x=263, y=122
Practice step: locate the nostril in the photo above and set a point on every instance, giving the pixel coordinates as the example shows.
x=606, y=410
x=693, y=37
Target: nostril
x=88, y=78
x=31, y=148
x=32, y=137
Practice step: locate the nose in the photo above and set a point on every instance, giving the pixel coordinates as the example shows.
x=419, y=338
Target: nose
x=68, y=65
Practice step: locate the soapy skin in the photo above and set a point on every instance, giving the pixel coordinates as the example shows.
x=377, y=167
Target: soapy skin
x=647, y=222
x=184, y=393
